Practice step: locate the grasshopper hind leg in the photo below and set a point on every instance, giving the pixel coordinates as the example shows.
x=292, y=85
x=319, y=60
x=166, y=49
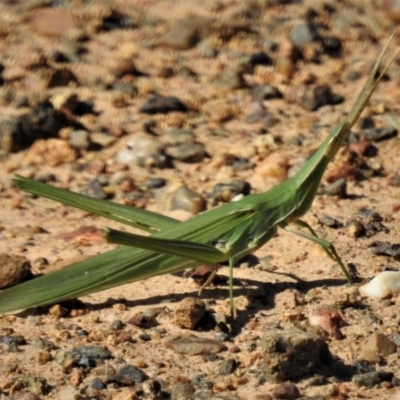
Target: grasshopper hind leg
x=328, y=247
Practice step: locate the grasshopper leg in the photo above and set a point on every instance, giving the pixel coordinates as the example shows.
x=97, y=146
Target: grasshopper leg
x=328, y=247
x=232, y=262
x=231, y=301
x=208, y=281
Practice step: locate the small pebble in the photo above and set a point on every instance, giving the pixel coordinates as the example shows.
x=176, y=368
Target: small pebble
x=95, y=189
x=155, y=183
x=338, y=188
x=145, y=337
x=189, y=312
x=187, y=152
x=184, y=33
x=143, y=321
x=97, y=384
x=188, y=200
x=303, y=34
x=316, y=96
x=129, y=375
x=79, y=139
x=379, y=134
x=330, y=221
x=180, y=136
x=227, y=367
x=14, y=269
x=286, y=391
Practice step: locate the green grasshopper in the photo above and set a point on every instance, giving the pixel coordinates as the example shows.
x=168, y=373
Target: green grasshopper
x=225, y=233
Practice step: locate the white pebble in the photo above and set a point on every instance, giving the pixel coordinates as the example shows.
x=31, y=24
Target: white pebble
x=384, y=284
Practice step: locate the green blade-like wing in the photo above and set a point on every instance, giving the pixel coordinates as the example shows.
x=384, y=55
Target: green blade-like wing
x=113, y=268
x=195, y=251
x=137, y=218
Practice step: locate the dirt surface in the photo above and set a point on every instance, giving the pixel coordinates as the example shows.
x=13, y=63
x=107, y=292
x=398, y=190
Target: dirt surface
x=248, y=76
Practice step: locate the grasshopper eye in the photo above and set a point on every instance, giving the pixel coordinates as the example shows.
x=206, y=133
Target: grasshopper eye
x=220, y=244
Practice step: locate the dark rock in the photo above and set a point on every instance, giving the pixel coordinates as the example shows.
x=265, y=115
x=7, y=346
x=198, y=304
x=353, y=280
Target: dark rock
x=317, y=96
x=129, y=375
x=43, y=122
x=117, y=20
x=371, y=379
x=145, y=337
x=330, y=221
x=225, y=192
x=60, y=57
x=379, y=134
x=60, y=77
x=260, y=58
x=155, y=183
x=386, y=249
x=331, y=45
x=242, y=164
x=188, y=152
x=97, y=384
x=16, y=340
x=163, y=105
x=97, y=353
